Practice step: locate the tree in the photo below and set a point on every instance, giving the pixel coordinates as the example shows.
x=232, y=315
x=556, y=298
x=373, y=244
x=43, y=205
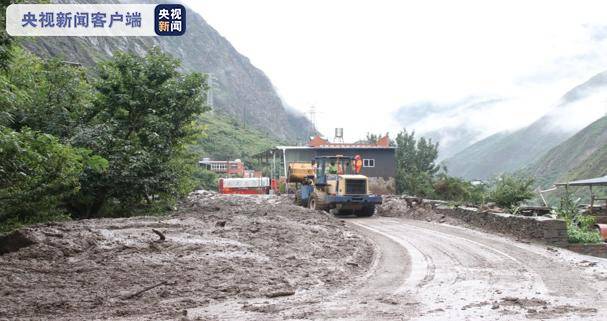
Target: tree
x=206, y=179
x=5, y=39
x=509, y=191
x=37, y=173
x=455, y=189
x=39, y=101
x=371, y=139
x=415, y=164
x=142, y=119
x=48, y=96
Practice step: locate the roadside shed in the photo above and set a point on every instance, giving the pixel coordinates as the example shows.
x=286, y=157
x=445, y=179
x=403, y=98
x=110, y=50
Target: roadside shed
x=590, y=183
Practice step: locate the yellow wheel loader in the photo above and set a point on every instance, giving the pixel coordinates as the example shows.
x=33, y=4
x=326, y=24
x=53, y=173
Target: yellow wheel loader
x=328, y=183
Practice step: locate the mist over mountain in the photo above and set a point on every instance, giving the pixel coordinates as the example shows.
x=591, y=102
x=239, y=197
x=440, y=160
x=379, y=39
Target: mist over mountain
x=239, y=89
x=583, y=155
x=453, y=125
x=512, y=151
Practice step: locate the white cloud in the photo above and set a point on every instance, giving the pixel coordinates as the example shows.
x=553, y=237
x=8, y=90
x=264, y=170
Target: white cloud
x=357, y=62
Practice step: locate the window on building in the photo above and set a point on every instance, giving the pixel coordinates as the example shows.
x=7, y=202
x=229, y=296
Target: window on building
x=218, y=167
x=368, y=162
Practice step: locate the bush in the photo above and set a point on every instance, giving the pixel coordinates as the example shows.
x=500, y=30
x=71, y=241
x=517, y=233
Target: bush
x=509, y=191
x=37, y=173
x=206, y=179
x=583, y=230
x=415, y=183
x=455, y=189
x=580, y=228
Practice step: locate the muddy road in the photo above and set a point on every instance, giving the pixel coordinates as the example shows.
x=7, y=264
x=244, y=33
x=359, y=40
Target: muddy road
x=461, y=274
x=430, y=271
x=247, y=258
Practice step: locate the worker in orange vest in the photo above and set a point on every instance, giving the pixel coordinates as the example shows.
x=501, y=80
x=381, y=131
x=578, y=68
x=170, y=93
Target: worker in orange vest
x=358, y=164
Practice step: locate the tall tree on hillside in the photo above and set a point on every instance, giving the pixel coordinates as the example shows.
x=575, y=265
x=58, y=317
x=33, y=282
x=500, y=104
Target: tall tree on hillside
x=40, y=105
x=47, y=95
x=415, y=164
x=5, y=56
x=142, y=119
x=5, y=39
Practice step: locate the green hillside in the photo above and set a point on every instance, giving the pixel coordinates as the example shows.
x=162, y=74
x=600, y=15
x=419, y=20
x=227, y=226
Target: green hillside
x=503, y=152
x=510, y=152
x=594, y=166
x=584, y=155
x=239, y=89
x=226, y=138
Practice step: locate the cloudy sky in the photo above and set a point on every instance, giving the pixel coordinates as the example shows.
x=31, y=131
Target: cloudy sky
x=359, y=62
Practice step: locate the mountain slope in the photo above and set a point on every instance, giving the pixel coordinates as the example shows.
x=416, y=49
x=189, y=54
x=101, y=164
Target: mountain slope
x=239, y=88
x=503, y=152
x=594, y=165
x=509, y=152
x=584, y=155
x=453, y=124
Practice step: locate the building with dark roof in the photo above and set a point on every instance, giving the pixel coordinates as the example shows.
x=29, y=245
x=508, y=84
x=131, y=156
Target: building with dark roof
x=378, y=159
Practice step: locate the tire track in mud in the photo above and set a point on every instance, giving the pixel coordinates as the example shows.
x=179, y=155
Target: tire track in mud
x=426, y=271
x=377, y=295
x=557, y=276
x=487, y=273
x=452, y=245
x=454, y=267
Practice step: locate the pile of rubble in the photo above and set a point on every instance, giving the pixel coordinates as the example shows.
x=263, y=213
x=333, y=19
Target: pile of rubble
x=414, y=208
x=213, y=248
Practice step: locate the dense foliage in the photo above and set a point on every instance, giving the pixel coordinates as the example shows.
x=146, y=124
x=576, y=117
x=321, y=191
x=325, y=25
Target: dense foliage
x=205, y=179
x=458, y=190
x=225, y=138
x=580, y=228
x=48, y=96
x=37, y=173
x=87, y=143
x=417, y=173
x=141, y=121
x=509, y=191
x=5, y=39
x=415, y=164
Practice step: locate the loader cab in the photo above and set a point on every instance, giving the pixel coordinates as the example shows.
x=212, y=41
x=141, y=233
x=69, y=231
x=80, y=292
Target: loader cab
x=329, y=167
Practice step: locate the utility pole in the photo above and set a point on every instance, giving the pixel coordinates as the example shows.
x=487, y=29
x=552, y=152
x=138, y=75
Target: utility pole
x=313, y=115
x=312, y=118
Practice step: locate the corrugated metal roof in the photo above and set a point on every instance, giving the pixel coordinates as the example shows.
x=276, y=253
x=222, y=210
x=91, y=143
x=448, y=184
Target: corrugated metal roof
x=599, y=181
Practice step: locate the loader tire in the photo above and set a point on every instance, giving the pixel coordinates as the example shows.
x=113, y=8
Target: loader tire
x=366, y=211
x=316, y=203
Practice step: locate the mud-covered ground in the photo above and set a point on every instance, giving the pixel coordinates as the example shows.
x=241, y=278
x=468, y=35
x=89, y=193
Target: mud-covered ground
x=217, y=248
x=263, y=258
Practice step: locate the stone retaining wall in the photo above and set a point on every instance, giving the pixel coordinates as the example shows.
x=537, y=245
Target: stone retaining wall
x=598, y=250
x=538, y=228
x=543, y=229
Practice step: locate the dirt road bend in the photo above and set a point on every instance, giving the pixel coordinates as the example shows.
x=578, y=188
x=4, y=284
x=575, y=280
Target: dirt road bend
x=428, y=271
x=461, y=274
